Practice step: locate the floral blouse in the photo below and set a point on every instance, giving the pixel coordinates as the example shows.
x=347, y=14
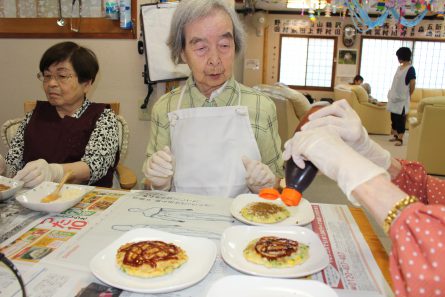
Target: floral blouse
x=100, y=152
x=417, y=258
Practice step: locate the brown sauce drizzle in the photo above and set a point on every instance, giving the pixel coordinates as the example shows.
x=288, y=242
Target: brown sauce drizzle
x=263, y=209
x=4, y=187
x=148, y=252
x=272, y=247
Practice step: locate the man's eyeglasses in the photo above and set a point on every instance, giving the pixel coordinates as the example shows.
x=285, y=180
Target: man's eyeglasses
x=17, y=274
x=59, y=77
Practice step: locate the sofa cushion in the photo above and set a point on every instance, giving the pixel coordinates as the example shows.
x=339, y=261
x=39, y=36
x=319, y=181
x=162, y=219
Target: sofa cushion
x=437, y=100
x=299, y=102
x=269, y=90
x=343, y=86
x=416, y=96
x=361, y=94
x=419, y=94
x=432, y=92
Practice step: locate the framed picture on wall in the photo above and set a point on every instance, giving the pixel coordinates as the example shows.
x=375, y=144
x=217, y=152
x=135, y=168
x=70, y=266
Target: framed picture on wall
x=347, y=56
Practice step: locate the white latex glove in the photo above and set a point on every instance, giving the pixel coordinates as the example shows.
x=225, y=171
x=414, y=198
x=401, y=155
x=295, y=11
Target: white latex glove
x=337, y=160
x=159, y=169
x=2, y=165
x=35, y=172
x=340, y=116
x=258, y=175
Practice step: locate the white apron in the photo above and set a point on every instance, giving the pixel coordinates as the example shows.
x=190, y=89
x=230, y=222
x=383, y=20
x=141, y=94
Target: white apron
x=398, y=95
x=208, y=143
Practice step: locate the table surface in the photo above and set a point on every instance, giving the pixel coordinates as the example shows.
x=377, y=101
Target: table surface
x=371, y=238
x=377, y=249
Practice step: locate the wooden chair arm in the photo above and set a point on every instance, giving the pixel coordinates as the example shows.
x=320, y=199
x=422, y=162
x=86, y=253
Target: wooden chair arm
x=127, y=178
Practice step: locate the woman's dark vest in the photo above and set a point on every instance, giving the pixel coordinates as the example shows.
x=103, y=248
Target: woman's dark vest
x=62, y=140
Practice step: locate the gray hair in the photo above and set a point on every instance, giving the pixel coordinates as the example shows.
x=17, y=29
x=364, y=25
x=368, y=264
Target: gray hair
x=188, y=11
x=367, y=87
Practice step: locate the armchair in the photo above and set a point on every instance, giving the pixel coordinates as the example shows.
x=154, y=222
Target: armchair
x=126, y=177
x=291, y=106
x=425, y=143
x=417, y=96
x=375, y=118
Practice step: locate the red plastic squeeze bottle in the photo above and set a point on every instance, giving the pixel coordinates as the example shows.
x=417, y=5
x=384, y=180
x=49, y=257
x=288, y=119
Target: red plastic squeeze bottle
x=297, y=179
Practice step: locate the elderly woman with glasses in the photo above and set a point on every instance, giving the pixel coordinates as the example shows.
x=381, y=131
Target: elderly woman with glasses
x=67, y=132
x=213, y=136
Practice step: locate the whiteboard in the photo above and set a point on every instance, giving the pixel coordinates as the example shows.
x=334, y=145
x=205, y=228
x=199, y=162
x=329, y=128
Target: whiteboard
x=156, y=19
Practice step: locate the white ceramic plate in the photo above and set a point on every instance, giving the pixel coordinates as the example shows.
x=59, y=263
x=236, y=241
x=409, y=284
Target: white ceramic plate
x=201, y=254
x=252, y=286
x=31, y=199
x=14, y=185
x=236, y=238
x=301, y=214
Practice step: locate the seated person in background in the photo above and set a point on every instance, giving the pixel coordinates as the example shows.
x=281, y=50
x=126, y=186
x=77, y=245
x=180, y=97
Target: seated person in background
x=212, y=136
x=367, y=88
x=358, y=80
x=372, y=100
x=416, y=224
x=67, y=132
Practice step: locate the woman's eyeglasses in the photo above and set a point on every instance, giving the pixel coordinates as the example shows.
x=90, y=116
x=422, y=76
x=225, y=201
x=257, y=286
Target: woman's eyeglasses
x=59, y=77
x=16, y=272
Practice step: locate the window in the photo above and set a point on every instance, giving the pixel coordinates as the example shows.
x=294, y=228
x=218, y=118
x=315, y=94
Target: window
x=429, y=62
x=379, y=63
x=307, y=62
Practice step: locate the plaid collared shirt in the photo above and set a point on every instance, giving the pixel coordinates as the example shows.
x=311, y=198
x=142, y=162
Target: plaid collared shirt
x=262, y=115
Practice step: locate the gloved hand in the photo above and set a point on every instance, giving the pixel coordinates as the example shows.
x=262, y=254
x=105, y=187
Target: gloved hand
x=159, y=169
x=324, y=147
x=38, y=171
x=258, y=175
x=346, y=122
x=2, y=165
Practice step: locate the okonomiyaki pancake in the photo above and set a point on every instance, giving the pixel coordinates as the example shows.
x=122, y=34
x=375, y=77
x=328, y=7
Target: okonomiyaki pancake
x=4, y=187
x=276, y=252
x=264, y=212
x=150, y=258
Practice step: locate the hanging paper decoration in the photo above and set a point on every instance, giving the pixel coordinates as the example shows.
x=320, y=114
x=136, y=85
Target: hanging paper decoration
x=327, y=11
x=363, y=23
x=381, y=5
x=311, y=15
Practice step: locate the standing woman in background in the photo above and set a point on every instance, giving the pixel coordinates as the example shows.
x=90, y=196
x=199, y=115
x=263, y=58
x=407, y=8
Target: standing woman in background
x=399, y=96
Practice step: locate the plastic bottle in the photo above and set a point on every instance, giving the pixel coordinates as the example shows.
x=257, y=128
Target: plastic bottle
x=125, y=14
x=112, y=9
x=297, y=179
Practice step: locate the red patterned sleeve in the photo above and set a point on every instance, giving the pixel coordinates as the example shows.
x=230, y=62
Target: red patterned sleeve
x=414, y=180
x=418, y=247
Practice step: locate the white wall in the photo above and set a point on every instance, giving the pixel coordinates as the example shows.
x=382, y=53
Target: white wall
x=119, y=79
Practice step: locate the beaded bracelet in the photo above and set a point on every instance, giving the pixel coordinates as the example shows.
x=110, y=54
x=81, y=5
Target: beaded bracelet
x=394, y=212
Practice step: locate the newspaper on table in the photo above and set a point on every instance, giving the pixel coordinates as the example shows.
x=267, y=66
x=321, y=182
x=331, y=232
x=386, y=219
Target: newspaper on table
x=34, y=236
x=14, y=218
x=352, y=266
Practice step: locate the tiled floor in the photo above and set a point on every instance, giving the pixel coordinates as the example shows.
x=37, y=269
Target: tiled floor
x=324, y=190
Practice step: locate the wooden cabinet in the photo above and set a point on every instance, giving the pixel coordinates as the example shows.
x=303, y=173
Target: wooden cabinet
x=47, y=27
